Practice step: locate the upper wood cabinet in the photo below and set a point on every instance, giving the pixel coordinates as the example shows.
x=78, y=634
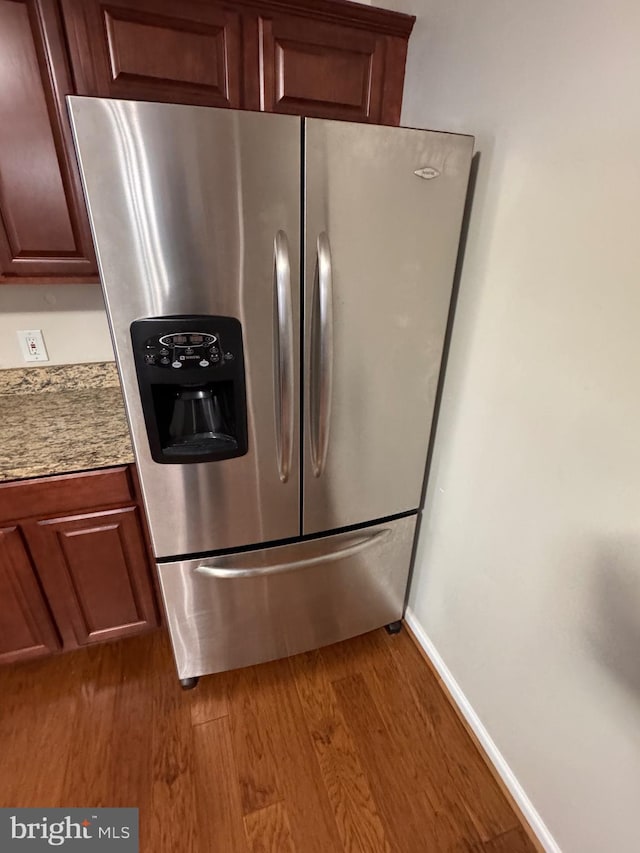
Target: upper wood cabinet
x=324, y=69
x=328, y=58
x=323, y=58
x=185, y=52
x=44, y=229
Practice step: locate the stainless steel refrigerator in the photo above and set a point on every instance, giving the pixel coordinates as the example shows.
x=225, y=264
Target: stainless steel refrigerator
x=278, y=291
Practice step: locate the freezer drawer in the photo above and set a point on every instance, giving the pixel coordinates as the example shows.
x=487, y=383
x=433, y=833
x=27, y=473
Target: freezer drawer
x=240, y=609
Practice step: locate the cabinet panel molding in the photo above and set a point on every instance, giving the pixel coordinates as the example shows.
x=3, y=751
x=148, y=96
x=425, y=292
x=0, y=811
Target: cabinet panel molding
x=156, y=50
x=320, y=69
x=183, y=53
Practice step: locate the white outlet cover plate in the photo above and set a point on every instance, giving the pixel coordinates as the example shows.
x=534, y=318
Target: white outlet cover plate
x=32, y=345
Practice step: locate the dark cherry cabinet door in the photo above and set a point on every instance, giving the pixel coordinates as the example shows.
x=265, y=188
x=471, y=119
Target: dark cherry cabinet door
x=324, y=58
x=95, y=574
x=26, y=628
x=44, y=231
x=327, y=70
x=332, y=60
x=188, y=52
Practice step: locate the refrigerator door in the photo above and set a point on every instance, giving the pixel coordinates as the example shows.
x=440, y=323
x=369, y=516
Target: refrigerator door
x=383, y=213
x=240, y=609
x=195, y=211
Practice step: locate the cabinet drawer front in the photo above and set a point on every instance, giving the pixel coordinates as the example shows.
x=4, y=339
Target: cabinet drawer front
x=66, y=493
x=95, y=572
x=241, y=609
x=26, y=629
x=320, y=69
x=156, y=50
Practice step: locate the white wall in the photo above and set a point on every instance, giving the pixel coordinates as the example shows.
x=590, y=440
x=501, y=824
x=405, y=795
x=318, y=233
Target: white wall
x=71, y=316
x=528, y=574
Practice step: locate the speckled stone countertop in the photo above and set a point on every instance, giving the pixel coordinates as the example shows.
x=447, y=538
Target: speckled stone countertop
x=59, y=419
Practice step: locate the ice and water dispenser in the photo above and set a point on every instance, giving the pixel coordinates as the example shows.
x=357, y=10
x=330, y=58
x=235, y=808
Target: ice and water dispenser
x=191, y=378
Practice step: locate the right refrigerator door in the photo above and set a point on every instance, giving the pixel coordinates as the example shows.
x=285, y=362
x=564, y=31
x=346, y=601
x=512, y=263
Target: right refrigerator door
x=383, y=209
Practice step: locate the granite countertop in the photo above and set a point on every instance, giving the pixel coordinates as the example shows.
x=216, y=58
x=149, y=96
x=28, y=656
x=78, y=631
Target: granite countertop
x=59, y=419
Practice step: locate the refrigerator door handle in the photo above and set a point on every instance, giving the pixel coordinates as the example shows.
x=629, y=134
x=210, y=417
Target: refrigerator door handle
x=283, y=355
x=218, y=569
x=321, y=355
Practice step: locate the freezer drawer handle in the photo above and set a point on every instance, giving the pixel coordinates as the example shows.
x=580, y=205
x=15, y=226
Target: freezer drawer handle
x=283, y=354
x=219, y=570
x=321, y=355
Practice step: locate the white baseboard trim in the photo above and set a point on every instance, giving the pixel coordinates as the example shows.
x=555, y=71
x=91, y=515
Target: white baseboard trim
x=492, y=751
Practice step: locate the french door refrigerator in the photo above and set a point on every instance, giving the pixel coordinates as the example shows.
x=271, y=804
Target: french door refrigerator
x=277, y=291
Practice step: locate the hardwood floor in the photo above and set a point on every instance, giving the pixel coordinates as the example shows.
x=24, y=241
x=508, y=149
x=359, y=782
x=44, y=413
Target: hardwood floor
x=350, y=748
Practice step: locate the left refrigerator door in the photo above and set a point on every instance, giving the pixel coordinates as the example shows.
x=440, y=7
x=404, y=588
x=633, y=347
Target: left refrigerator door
x=195, y=212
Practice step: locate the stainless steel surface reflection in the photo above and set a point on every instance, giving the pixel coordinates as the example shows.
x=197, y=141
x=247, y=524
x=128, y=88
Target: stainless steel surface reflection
x=185, y=204
x=240, y=609
x=197, y=211
x=381, y=246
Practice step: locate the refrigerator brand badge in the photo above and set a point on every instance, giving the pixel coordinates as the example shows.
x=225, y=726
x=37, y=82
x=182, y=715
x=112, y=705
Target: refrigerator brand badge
x=427, y=172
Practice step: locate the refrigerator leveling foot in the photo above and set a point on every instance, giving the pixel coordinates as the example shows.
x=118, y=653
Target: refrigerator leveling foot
x=393, y=627
x=189, y=683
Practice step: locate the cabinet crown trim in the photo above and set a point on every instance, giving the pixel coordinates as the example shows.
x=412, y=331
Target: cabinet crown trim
x=343, y=12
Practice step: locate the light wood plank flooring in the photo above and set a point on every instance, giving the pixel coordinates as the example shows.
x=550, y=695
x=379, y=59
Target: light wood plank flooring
x=350, y=748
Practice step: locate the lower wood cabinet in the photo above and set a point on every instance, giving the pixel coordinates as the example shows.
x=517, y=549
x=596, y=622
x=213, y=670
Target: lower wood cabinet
x=26, y=626
x=68, y=578
x=95, y=574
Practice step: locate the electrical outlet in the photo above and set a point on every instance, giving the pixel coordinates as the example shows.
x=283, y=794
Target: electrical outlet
x=32, y=345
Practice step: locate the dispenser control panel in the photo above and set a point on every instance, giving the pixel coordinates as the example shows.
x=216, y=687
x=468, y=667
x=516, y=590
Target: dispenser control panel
x=190, y=371
x=185, y=349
